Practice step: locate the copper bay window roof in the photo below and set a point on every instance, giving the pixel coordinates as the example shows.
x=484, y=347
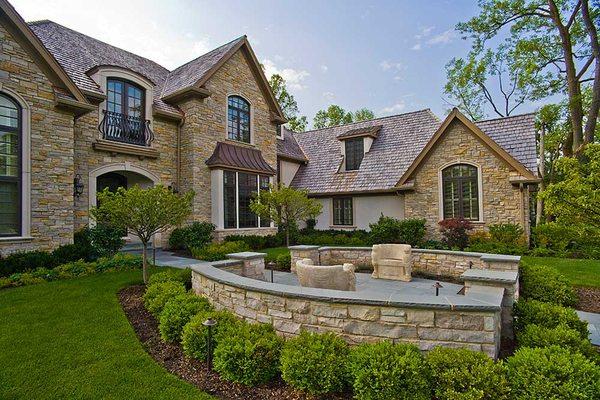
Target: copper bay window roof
x=227, y=155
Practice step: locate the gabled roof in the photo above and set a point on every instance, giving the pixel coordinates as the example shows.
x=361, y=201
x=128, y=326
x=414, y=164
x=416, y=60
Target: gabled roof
x=370, y=131
x=494, y=126
x=401, y=145
x=59, y=77
x=288, y=149
x=227, y=155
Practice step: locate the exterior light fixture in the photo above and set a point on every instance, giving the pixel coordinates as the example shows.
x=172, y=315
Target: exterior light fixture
x=271, y=266
x=209, y=323
x=437, y=287
x=77, y=186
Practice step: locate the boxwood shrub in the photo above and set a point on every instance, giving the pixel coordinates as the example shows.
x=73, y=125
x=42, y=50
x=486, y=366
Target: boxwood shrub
x=315, y=363
x=466, y=374
x=527, y=312
x=552, y=373
x=561, y=335
x=194, y=337
x=218, y=251
x=158, y=294
x=391, y=230
x=198, y=234
x=177, y=313
x=181, y=275
x=389, y=371
x=543, y=283
x=249, y=355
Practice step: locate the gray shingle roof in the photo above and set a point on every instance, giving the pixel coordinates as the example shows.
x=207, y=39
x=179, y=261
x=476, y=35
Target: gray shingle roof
x=289, y=148
x=400, y=140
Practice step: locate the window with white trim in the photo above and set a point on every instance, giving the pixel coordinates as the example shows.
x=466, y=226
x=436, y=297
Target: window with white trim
x=238, y=191
x=10, y=166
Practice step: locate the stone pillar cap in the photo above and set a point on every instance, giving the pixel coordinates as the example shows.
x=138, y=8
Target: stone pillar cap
x=303, y=247
x=246, y=255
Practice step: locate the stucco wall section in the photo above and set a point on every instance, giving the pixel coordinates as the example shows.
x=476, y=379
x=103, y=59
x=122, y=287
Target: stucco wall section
x=367, y=210
x=51, y=150
x=502, y=202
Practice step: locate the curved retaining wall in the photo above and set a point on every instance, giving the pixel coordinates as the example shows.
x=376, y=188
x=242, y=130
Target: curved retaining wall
x=471, y=321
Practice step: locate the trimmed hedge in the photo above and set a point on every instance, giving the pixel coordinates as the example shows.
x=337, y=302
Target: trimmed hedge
x=194, y=336
x=249, y=355
x=528, y=312
x=559, y=240
x=258, y=242
x=389, y=371
x=315, y=363
x=391, y=230
x=218, y=251
x=177, y=313
x=198, y=234
x=561, y=335
x=552, y=373
x=184, y=276
x=545, y=284
x=158, y=294
x=462, y=373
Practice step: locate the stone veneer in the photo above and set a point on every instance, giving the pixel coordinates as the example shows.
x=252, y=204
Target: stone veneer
x=51, y=133
x=502, y=201
x=356, y=317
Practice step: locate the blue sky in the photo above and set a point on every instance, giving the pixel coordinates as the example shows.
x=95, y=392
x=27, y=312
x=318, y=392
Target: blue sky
x=388, y=56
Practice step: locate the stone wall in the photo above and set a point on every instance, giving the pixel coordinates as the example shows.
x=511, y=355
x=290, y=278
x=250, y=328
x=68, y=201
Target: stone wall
x=502, y=201
x=425, y=261
x=290, y=313
x=51, y=133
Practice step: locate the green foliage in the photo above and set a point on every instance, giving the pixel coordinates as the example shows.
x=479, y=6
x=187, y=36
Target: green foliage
x=195, y=335
x=285, y=206
x=177, y=313
x=145, y=212
x=363, y=114
x=284, y=261
x=75, y=269
x=118, y=261
x=249, y=355
x=391, y=230
x=315, y=363
x=548, y=315
x=561, y=335
x=258, y=242
x=218, y=251
x=197, y=234
x=288, y=103
x=543, y=283
x=26, y=261
x=455, y=232
x=158, y=294
x=566, y=240
x=297, y=124
x=181, y=275
x=503, y=238
x=335, y=237
x=552, y=373
x=389, y=371
x=336, y=115
x=466, y=374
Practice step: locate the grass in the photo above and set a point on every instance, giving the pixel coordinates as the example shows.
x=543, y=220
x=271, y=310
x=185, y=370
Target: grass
x=578, y=272
x=71, y=339
x=273, y=252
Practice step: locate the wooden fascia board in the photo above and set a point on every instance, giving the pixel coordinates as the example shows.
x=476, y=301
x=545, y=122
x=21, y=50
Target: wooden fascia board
x=166, y=114
x=191, y=91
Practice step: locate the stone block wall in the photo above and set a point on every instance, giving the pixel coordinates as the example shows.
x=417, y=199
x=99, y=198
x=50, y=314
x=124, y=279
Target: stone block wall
x=355, y=322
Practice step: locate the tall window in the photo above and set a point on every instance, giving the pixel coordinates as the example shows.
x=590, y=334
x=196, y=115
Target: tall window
x=354, y=153
x=461, y=192
x=124, y=97
x=238, y=119
x=238, y=190
x=342, y=211
x=10, y=167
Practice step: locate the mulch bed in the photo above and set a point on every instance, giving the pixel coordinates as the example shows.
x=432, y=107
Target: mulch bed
x=589, y=299
x=171, y=357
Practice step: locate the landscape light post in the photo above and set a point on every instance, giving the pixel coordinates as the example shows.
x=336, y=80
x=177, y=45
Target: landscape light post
x=209, y=323
x=271, y=266
x=437, y=287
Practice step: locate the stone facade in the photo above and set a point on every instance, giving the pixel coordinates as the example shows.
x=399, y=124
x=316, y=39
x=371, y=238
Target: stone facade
x=502, y=201
x=52, y=154
x=357, y=323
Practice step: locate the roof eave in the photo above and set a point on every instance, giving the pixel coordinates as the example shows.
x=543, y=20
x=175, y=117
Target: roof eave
x=76, y=107
x=219, y=165
x=166, y=114
x=186, y=93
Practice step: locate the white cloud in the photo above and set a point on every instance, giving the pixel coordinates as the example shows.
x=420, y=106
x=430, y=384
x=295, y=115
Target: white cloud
x=393, y=109
x=423, y=32
x=416, y=47
x=443, y=38
x=293, y=77
x=328, y=96
x=396, y=67
x=324, y=68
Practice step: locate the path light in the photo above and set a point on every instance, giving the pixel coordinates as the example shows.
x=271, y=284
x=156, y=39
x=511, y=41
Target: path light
x=271, y=266
x=209, y=323
x=437, y=287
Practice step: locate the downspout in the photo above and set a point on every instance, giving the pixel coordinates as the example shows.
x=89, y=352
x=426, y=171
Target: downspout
x=524, y=213
x=178, y=155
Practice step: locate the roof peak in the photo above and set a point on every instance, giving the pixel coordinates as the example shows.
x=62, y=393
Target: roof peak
x=210, y=51
x=507, y=117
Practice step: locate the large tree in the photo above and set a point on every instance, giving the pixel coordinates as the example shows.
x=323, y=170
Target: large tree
x=335, y=115
x=547, y=47
x=288, y=103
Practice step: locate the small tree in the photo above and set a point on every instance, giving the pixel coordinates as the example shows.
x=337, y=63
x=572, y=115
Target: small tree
x=285, y=206
x=145, y=212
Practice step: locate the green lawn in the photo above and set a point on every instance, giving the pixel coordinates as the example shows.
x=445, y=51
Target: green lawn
x=70, y=339
x=579, y=272
x=273, y=252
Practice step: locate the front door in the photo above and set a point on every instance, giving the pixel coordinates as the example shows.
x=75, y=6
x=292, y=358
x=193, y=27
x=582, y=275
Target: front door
x=112, y=181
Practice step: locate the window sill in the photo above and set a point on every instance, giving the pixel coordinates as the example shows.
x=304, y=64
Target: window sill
x=342, y=226
x=124, y=148
x=16, y=239
x=244, y=229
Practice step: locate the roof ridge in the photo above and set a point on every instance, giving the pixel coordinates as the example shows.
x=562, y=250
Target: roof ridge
x=369, y=120
x=47, y=21
x=507, y=117
x=208, y=52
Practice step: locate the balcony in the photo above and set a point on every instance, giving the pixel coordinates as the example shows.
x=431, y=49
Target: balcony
x=116, y=127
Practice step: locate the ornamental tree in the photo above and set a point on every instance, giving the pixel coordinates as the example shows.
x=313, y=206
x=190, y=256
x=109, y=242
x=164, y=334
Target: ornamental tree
x=285, y=206
x=145, y=212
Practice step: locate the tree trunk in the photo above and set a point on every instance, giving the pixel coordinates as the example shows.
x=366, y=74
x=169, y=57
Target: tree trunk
x=145, y=262
x=287, y=235
x=539, y=210
x=592, y=117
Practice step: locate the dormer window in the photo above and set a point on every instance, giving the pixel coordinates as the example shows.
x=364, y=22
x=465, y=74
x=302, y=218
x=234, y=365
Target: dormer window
x=354, y=153
x=238, y=119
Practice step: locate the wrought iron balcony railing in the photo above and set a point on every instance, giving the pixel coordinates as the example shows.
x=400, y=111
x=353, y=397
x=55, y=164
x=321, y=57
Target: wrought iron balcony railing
x=125, y=129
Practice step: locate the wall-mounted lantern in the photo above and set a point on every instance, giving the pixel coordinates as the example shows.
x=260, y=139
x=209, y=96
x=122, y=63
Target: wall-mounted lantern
x=77, y=186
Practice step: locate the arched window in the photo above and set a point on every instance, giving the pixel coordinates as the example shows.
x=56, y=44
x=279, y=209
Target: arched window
x=461, y=192
x=238, y=119
x=10, y=166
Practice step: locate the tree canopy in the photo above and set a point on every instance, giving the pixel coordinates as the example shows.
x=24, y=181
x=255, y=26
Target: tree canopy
x=288, y=103
x=335, y=115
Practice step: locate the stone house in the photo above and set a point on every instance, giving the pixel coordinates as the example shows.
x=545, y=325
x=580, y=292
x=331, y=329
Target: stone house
x=78, y=115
